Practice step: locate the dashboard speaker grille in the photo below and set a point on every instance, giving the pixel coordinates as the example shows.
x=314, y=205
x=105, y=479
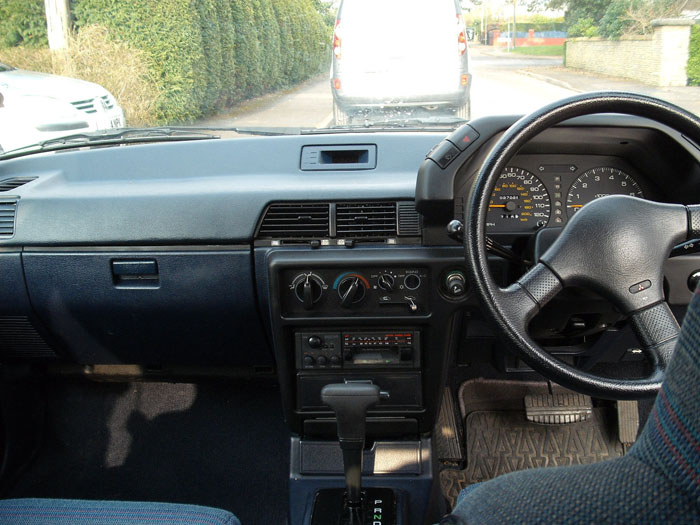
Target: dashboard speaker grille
x=8, y=209
x=409, y=219
x=296, y=221
x=19, y=339
x=14, y=182
x=365, y=219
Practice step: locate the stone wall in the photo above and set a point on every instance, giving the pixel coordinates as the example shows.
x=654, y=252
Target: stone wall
x=659, y=59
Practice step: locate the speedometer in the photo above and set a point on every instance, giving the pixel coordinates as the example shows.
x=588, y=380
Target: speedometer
x=599, y=182
x=519, y=203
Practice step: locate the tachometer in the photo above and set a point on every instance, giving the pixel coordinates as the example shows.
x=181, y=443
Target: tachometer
x=599, y=182
x=519, y=203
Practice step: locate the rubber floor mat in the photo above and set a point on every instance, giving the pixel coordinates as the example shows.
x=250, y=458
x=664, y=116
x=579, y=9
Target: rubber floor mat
x=499, y=442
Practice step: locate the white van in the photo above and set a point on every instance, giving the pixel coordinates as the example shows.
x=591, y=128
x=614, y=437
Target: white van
x=405, y=54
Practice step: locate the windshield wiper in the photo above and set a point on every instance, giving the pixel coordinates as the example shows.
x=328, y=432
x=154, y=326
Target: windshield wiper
x=111, y=137
x=126, y=135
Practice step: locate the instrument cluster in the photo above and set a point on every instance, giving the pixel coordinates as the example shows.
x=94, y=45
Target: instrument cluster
x=539, y=191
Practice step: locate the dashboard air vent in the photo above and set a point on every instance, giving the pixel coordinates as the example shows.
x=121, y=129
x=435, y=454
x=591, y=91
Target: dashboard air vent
x=365, y=219
x=296, y=221
x=14, y=182
x=409, y=219
x=8, y=208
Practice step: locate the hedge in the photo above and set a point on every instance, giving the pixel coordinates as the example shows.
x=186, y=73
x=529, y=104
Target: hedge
x=170, y=33
x=22, y=22
x=693, y=67
x=205, y=55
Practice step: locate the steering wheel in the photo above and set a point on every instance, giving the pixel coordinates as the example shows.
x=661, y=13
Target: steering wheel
x=615, y=246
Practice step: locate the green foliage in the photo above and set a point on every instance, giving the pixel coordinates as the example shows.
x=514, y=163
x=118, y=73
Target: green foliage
x=613, y=18
x=574, y=10
x=584, y=27
x=170, y=33
x=246, y=50
x=315, y=41
x=287, y=21
x=693, y=68
x=22, y=22
x=228, y=62
x=204, y=54
x=211, y=48
x=615, y=22
x=270, y=44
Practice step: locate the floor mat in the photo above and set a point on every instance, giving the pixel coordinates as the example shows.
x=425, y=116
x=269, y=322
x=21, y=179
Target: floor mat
x=503, y=441
x=208, y=444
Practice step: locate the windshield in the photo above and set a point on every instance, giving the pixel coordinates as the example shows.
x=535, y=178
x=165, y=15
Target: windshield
x=89, y=67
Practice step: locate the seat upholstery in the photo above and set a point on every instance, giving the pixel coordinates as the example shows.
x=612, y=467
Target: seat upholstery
x=658, y=481
x=84, y=512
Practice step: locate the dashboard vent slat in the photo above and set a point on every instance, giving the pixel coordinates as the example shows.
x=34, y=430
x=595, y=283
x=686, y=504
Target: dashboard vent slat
x=366, y=219
x=14, y=182
x=8, y=209
x=296, y=221
x=409, y=219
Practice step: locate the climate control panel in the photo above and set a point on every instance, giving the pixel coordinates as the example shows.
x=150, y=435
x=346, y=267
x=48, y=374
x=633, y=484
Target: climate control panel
x=313, y=292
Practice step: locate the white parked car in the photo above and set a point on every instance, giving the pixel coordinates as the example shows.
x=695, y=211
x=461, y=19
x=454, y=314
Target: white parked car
x=39, y=106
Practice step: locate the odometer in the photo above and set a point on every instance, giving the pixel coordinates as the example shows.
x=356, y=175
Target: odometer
x=519, y=203
x=599, y=182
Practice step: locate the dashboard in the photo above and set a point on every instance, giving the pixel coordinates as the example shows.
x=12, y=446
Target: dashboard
x=236, y=253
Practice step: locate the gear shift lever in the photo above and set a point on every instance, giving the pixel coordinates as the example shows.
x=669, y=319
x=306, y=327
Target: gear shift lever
x=350, y=402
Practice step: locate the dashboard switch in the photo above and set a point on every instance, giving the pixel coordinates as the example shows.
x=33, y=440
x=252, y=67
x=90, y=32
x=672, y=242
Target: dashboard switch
x=463, y=137
x=386, y=282
x=455, y=284
x=693, y=280
x=308, y=289
x=412, y=304
x=351, y=291
x=445, y=153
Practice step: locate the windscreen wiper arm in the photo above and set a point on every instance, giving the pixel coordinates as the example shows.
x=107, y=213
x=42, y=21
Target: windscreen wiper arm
x=128, y=135
x=110, y=137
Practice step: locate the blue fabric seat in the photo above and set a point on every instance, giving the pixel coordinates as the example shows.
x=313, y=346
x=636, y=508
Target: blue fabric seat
x=84, y=512
x=658, y=481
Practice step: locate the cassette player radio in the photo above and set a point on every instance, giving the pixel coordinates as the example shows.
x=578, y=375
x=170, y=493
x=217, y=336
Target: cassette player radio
x=357, y=349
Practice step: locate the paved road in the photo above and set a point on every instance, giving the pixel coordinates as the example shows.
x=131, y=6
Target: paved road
x=309, y=105
x=499, y=88
x=502, y=85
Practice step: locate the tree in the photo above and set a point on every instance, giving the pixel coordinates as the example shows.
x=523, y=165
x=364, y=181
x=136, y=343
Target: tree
x=574, y=10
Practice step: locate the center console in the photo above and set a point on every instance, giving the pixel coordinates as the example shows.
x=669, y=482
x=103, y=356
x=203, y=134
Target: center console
x=387, y=317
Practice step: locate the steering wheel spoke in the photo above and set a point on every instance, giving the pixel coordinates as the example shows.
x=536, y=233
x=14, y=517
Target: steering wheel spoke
x=524, y=298
x=657, y=331
x=693, y=221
